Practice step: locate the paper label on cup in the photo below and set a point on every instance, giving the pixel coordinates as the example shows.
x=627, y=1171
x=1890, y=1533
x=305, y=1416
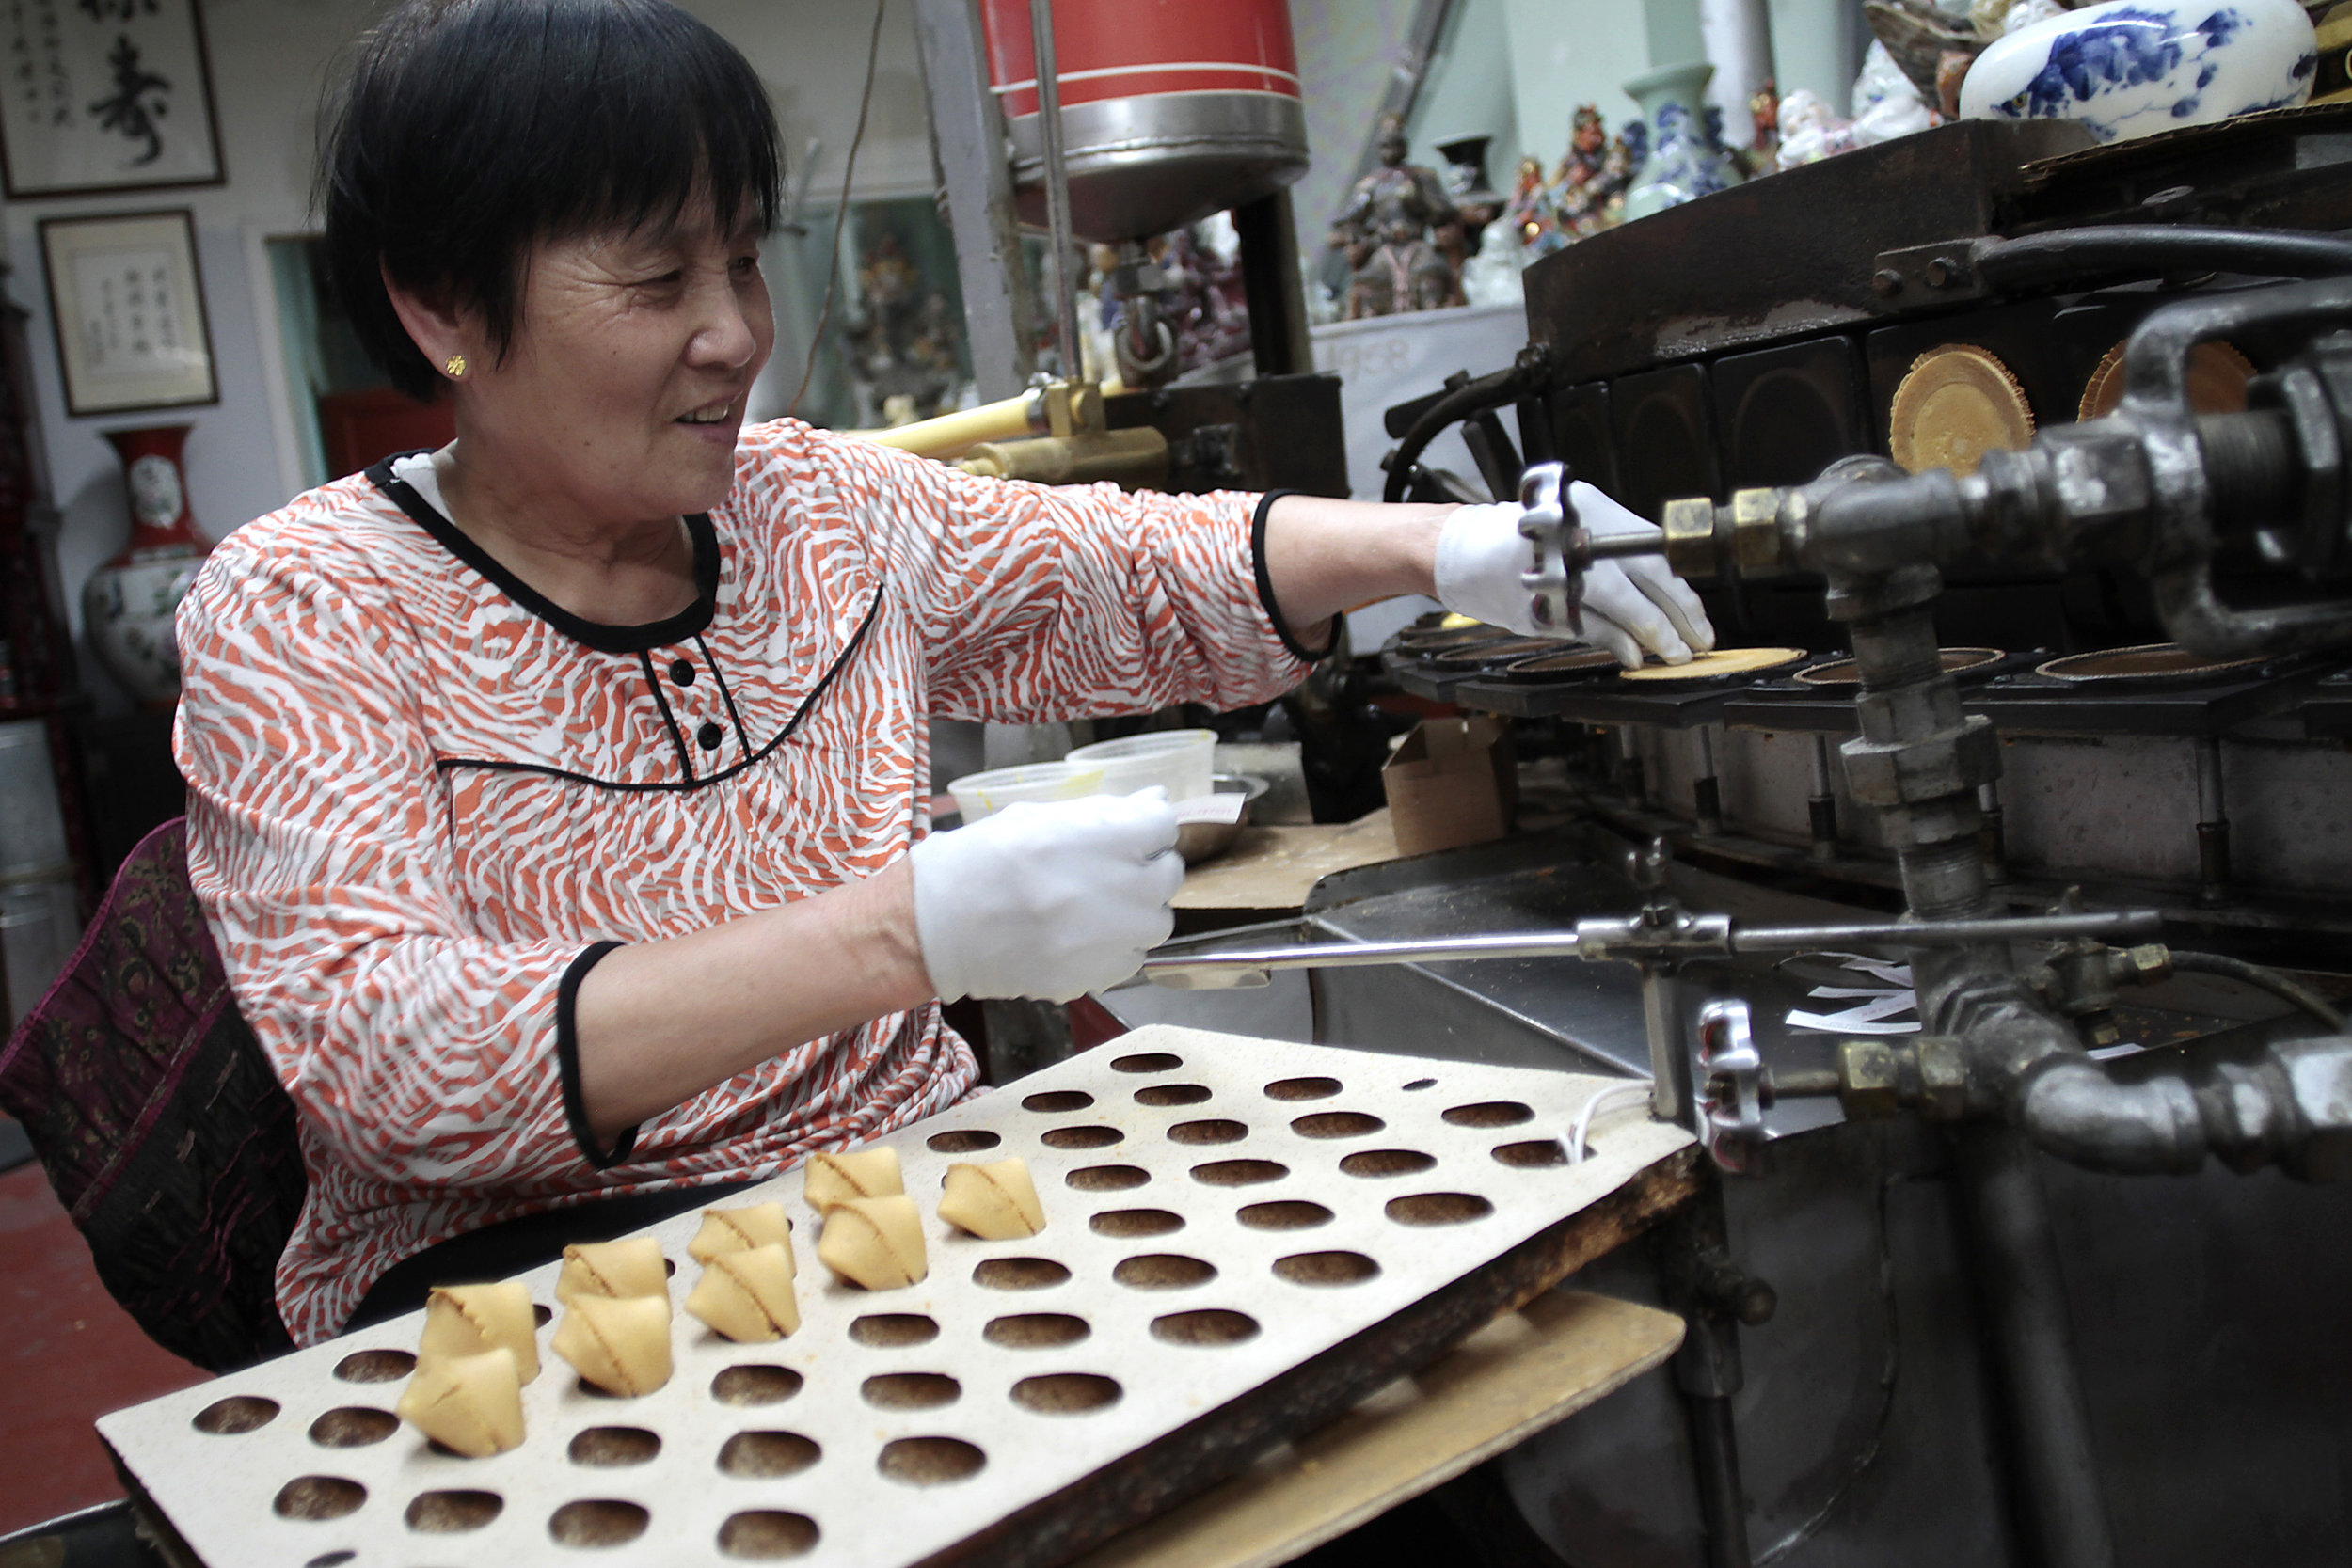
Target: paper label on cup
x=1211, y=808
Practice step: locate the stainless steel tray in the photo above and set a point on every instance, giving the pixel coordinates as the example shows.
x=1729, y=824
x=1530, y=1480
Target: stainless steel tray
x=1232, y=1227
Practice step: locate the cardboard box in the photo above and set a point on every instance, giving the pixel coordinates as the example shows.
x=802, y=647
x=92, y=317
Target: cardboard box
x=1452, y=782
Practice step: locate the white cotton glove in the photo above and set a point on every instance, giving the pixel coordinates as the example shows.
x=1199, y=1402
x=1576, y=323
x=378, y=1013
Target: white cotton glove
x=1048, y=899
x=1630, y=605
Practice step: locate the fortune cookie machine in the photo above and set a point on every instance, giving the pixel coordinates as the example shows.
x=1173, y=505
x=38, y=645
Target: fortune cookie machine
x=1992, y=934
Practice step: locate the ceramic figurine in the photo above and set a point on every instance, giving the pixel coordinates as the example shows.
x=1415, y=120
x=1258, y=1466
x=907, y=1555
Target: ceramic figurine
x=1588, y=190
x=1474, y=202
x=1529, y=216
x=1809, y=131
x=2133, y=67
x=129, y=603
x=1385, y=231
x=1760, y=155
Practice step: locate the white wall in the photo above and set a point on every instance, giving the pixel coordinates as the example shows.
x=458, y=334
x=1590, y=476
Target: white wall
x=270, y=60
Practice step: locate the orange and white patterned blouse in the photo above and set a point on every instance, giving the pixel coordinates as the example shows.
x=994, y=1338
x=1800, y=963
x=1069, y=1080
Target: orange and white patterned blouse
x=423, y=801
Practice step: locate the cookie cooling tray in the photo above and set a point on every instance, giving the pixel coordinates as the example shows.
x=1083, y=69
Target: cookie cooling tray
x=1244, y=1238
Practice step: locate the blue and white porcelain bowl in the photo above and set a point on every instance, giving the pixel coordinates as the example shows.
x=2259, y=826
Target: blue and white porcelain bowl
x=2133, y=67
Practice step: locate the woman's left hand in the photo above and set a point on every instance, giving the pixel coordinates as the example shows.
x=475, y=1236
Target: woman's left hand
x=1631, y=606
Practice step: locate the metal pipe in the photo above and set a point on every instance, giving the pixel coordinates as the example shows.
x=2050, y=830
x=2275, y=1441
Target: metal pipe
x=1630, y=782
x=1056, y=174
x=2063, y=1514
x=2289, y=1103
x=1993, y=836
x=2213, y=824
x=1821, y=807
x=1707, y=793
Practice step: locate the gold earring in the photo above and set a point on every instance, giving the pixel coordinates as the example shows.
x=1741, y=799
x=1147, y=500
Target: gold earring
x=455, y=367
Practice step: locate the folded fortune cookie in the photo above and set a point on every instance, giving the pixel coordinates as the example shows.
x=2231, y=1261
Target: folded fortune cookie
x=467, y=1319
x=621, y=1344
x=747, y=1295
x=734, y=1230
x=996, y=1202
x=628, y=1267
x=471, y=1403
x=838, y=1178
x=874, y=1242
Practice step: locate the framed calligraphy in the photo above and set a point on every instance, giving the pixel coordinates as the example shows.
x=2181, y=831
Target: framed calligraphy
x=128, y=305
x=104, y=95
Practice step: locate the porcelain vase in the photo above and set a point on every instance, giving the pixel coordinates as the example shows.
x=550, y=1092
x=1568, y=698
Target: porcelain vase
x=129, y=604
x=1685, y=159
x=2133, y=67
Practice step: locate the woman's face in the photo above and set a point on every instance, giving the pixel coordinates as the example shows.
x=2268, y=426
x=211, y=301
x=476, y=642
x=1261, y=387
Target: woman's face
x=624, y=389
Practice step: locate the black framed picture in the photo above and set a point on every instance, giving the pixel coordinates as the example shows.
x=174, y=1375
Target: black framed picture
x=127, y=301
x=104, y=95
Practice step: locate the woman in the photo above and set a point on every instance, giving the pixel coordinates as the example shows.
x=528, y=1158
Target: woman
x=558, y=799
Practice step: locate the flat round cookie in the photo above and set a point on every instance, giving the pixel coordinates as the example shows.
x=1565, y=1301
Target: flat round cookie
x=1722, y=661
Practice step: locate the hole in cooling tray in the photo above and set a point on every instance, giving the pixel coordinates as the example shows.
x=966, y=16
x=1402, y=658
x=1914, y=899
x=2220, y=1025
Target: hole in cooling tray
x=1387, y=1161
x=1054, y=1103
x=887, y=1330
x=541, y=1316
x=616, y=1447
x=1036, y=1331
x=453, y=1513
x=1439, y=1209
x=352, y=1426
x=763, y=1534
x=1490, y=1113
x=1081, y=1137
x=330, y=1559
x=595, y=1522
x=763, y=1456
x=1238, y=1173
x=1210, y=1132
x=1337, y=1124
x=1066, y=1393
x=236, y=1414
x=1326, y=1268
x=911, y=1391
x=1302, y=1088
x=1532, y=1156
x=375, y=1365
x=1171, y=1094
x=756, y=1384
x=970, y=1140
x=930, y=1461
x=318, y=1498
x=1146, y=1061
x=1019, y=1273
x=1421, y=1083
x=1292, y=1215
x=1135, y=1222
x=1162, y=1270
x=1108, y=1178
x=1210, y=1326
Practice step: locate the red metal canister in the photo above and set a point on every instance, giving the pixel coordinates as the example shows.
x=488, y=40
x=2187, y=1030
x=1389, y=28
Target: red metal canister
x=1172, y=109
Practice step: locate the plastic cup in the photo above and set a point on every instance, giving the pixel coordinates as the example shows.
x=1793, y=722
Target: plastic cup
x=1182, y=762
x=979, y=795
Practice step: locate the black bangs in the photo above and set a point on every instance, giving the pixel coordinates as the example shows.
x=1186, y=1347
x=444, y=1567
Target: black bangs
x=467, y=130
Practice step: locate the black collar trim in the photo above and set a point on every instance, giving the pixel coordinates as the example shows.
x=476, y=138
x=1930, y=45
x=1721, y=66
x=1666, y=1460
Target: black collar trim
x=603, y=638
x=690, y=783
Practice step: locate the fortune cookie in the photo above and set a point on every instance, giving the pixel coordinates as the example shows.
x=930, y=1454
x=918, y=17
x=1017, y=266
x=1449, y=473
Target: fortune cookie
x=621, y=1344
x=995, y=1202
x=471, y=1403
x=747, y=1294
x=874, y=1242
x=838, y=1178
x=467, y=1319
x=628, y=1267
x=734, y=1230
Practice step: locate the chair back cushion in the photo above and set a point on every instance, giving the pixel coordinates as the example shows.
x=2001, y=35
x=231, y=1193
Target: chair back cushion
x=162, y=1128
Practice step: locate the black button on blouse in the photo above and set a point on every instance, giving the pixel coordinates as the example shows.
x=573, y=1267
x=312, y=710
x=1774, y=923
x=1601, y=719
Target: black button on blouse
x=709, y=735
x=682, y=673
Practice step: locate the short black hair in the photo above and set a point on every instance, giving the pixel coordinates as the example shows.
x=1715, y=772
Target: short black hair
x=464, y=132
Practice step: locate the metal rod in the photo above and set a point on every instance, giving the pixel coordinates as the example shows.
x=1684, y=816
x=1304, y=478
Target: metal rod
x=1609, y=941
x=2014, y=1252
x=1057, y=174
x=1821, y=807
x=2213, y=825
x=1707, y=791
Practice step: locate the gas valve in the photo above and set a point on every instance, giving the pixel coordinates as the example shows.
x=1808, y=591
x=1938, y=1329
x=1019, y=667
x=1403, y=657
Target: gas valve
x=1731, y=1087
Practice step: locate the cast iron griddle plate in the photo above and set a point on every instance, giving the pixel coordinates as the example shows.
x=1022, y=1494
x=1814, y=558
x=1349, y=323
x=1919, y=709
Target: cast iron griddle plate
x=1220, y=1210
x=2148, y=663
x=1841, y=672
